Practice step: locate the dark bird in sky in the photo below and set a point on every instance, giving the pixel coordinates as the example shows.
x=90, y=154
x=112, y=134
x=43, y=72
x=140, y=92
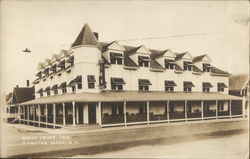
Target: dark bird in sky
x=26, y=50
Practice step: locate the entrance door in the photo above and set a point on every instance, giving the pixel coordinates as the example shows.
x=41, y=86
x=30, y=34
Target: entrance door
x=92, y=113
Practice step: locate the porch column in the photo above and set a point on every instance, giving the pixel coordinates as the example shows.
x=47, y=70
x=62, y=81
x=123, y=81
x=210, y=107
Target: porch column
x=77, y=115
x=100, y=112
x=216, y=110
x=28, y=115
x=39, y=117
x=33, y=114
x=64, y=121
x=230, y=108
x=19, y=111
x=168, y=111
x=125, y=114
x=46, y=115
x=185, y=110
x=54, y=116
x=148, y=112
x=202, y=109
x=243, y=107
x=73, y=112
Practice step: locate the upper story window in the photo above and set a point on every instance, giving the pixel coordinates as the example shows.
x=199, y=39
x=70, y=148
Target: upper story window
x=188, y=66
x=40, y=91
x=206, y=67
x=144, y=84
x=117, y=83
x=46, y=71
x=91, y=81
x=187, y=86
x=39, y=74
x=53, y=68
x=206, y=86
x=169, y=86
x=221, y=87
x=77, y=81
x=143, y=61
x=71, y=60
x=169, y=64
x=55, y=89
x=61, y=65
x=47, y=90
x=116, y=58
x=63, y=87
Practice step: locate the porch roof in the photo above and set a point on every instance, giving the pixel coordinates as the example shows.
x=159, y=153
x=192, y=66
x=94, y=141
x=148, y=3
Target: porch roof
x=115, y=96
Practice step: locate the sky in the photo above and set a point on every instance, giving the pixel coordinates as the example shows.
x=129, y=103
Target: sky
x=219, y=29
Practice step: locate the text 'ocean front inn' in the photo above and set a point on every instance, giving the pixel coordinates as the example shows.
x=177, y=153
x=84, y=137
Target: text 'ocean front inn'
x=110, y=84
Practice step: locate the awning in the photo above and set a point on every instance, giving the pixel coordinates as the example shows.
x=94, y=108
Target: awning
x=61, y=64
x=144, y=58
x=39, y=74
x=206, y=85
x=144, y=82
x=47, y=89
x=188, y=84
x=116, y=55
x=75, y=81
x=40, y=91
x=53, y=68
x=117, y=81
x=91, y=79
x=170, y=83
x=169, y=61
x=46, y=71
x=63, y=85
x=70, y=60
x=131, y=96
x=54, y=87
x=206, y=65
x=222, y=85
x=187, y=63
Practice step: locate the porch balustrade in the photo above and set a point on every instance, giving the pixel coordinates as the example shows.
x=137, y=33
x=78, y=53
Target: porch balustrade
x=113, y=119
x=136, y=117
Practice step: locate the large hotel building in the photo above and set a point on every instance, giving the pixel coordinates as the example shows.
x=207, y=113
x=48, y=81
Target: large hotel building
x=109, y=84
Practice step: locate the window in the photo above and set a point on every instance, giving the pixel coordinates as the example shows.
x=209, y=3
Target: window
x=116, y=58
x=53, y=69
x=169, y=64
x=39, y=74
x=188, y=86
x=73, y=89
x=46, y=72
x=55, y=92
x=117, y=83
x=143, y=61
x=206, y=67
x=220, y=106
x=169, y=86
x=40, y=91
x=55, y=89
x=64, y=90
x=144, y=84
x=71, y=60
x=61, y=65
x=41, y=94
x=187, y=66
x=206, y=86
x=77, y=81
x=91, y=81
x=117, y=109
x=221, y=87
x=48, y=93
x=63, y=87
x=47, y=90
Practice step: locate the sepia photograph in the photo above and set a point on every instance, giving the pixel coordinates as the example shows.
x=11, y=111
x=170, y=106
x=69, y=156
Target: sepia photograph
x=124, y=79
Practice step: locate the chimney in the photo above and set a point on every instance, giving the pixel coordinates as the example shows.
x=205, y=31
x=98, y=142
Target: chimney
x=96, y=35
x=17, y=86
x=28, y=83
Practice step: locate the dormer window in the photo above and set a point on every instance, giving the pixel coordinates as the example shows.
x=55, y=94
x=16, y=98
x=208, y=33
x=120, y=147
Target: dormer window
x=53, y=68
x=46, y=71
x=143, y=61
x=144, y=84
x=206, y=86
x=206, y=67
x=39, y=74
x=169, y=64
x=221, y=87
x=117, y=83
x=188, y=65
x=116, y=58
x=188, y=86
x=61, y=65
x=71, y=60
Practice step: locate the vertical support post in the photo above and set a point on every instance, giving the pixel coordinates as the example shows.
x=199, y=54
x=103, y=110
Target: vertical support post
x=73, y=111
x=148, y=112
x=185, y=110
x=28, y=114
x=33, y=114
x=39, y=117
x=230, y=108
x=100, y=112
x=54, y=116
x=64, y=121
x=46, y=114
x=202, y=109
x=216, y=110
x=77, y=115
x=19, y=111
x=168, y=111
x=243, y=107
x=125, y=114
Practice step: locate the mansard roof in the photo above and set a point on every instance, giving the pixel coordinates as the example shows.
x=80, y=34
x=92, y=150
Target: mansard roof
x=86, y=37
